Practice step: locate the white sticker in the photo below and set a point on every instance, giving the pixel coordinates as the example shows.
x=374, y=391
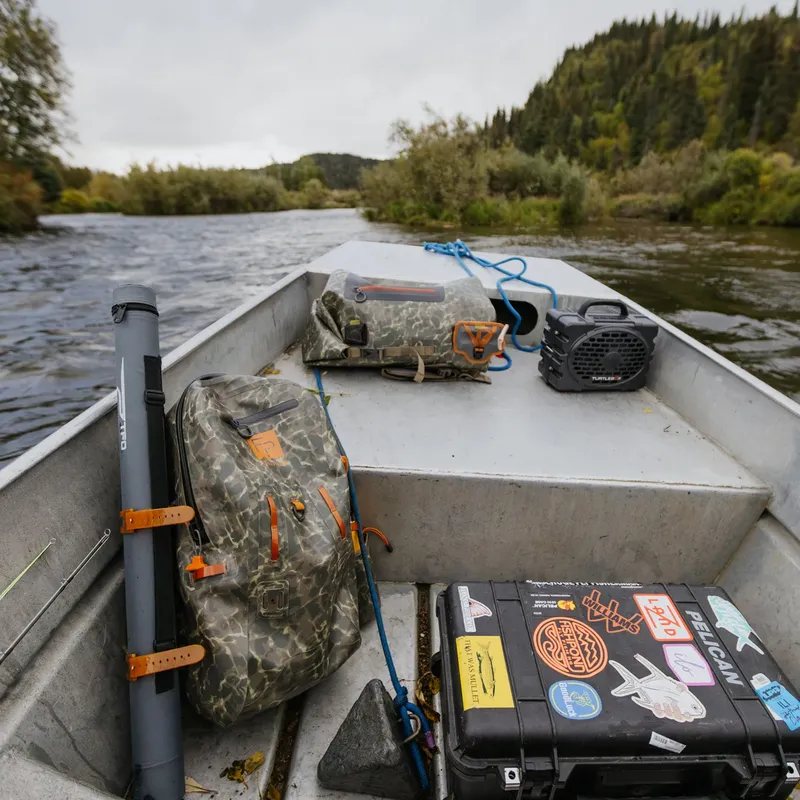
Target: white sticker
x=760, y=680
x=665, y=743
x=123, y=430
x=663, y=618
x=471, y=609
x=663, y=696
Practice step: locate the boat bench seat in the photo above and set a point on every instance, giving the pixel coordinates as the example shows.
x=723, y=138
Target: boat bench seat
x=514, y=481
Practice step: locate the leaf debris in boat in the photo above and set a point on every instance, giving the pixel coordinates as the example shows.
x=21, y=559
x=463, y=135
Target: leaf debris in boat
x=193, y=787
x=238, y=769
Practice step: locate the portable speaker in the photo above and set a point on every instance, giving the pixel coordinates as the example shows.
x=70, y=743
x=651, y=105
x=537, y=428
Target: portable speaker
x=584, y=353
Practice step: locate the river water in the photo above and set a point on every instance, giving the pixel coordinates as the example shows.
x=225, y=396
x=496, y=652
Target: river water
x=736, y=290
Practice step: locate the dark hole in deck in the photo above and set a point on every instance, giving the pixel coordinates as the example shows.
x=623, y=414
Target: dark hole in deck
x=528, y=312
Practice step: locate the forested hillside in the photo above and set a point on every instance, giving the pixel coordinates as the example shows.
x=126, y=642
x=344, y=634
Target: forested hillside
x=335, y=170
x=657, y=85
x=681, y=120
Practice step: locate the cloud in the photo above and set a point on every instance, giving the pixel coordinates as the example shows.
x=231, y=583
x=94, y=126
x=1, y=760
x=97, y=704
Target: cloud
x=241, y=82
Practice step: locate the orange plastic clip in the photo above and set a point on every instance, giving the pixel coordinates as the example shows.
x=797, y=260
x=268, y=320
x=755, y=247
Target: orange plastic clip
x=139, y=666
x=133, y=521
x=199, y=569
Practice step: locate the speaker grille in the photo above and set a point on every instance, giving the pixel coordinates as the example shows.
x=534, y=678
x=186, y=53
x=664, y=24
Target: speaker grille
x=617, y=354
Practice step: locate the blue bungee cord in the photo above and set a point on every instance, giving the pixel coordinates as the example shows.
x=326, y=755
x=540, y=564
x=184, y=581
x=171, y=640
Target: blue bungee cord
x=401, y=702
x=459, y=250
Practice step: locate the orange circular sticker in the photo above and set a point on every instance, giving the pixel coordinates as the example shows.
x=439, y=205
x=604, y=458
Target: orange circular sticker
x=570, y=647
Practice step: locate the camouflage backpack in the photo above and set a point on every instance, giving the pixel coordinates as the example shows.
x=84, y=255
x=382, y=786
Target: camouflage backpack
x=411, y=330
x=268, y=576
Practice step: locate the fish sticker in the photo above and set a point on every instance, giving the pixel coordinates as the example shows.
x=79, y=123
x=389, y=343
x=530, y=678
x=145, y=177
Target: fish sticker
x=486, y=669
x=471, y=609
x=730, y=619
x=483, y=671
x=663, y=696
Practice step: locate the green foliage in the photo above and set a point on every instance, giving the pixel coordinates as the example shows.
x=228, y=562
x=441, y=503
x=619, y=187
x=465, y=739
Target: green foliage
x=75, y=177
x=655, y=86
x=32, y=83
x=737, y=207
x=73, y=201
x=670, y=207
x=20, y=200
x=341, y=170
x=315, y=193
x=188, y=190
x=107, y=190
x=743, y=168
x=573, y=197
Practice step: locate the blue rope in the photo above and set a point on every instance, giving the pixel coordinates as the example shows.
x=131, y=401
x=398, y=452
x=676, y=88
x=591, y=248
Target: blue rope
x=401, y=702
x=459, y=250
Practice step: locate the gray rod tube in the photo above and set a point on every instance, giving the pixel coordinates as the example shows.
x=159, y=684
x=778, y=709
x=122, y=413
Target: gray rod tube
x=156, y=740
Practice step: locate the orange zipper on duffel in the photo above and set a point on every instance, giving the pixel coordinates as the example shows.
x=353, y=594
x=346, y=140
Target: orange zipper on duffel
x=332, y=506
x=273, y=524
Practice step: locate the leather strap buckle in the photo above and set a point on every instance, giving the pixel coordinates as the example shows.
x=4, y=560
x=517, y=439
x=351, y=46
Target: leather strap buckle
x=139, y=666
x=145, y=518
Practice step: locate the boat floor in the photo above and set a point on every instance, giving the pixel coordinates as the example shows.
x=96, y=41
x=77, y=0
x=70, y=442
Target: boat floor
x=209, y=750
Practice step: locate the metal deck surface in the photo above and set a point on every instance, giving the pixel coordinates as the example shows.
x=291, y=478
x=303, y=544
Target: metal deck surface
x=518, y=426
x=327, y=705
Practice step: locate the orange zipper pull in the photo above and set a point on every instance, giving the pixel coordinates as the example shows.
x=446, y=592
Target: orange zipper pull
x=199, y=569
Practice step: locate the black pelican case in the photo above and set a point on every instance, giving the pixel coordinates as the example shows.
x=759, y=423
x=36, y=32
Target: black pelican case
x=575, y=690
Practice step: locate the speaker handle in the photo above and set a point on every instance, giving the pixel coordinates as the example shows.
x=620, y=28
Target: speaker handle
x=623, y=309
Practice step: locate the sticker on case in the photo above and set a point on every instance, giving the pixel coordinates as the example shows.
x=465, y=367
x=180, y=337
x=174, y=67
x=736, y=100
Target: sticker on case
x=471, y=609
x=688, y=664
x=665, y=743
x=483, y=672
x=665, y=697
x=575, y=700
x=782, y=704
x=598, y=611
x=540, y=604
x=570, y=647
x=663, y=618
x=730, y=619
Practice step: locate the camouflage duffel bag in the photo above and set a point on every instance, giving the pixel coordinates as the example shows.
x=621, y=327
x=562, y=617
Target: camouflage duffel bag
x=410, y=330
x=268, y=574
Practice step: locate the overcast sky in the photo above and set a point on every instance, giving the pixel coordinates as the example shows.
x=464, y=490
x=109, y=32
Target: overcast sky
x=245, y=82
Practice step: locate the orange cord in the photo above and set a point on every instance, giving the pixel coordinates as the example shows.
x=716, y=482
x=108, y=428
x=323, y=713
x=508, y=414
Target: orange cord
x=380, y=535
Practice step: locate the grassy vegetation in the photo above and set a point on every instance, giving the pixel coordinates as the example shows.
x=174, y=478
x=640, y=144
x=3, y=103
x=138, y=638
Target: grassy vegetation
x=446, y=174
x=189, y=191
x=20, y=200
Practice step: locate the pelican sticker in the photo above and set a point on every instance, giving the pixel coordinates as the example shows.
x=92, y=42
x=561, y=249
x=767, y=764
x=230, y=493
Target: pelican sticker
x=123, y=433
x=471, y=609
x=483, y=671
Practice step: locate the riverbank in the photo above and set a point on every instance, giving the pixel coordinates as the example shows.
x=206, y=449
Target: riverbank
x=447, y=175
x=178, y=191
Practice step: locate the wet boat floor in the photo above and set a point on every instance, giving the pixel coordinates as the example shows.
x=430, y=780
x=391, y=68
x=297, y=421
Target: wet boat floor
x=209, y=750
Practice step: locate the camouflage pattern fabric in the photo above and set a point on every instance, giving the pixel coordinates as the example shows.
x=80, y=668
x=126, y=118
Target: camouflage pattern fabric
x=286, y=612
x=400, y=323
